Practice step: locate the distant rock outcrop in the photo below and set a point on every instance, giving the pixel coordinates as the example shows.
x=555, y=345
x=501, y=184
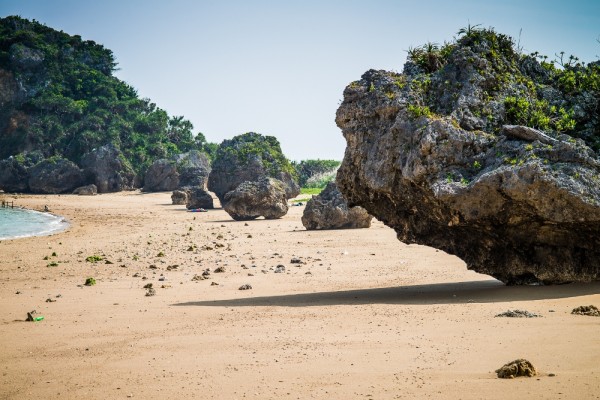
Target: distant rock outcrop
x=329, y=210
x=108, y=169
x=451, y=155
x=161, y=176
x=250, y=157
x=184, y=170
x=265, y=197
x=54, y=176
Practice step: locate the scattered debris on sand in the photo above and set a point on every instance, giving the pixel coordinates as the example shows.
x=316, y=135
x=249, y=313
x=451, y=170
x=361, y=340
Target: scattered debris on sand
x=591, y=311
x=513, y=369
x=518, y=314
x=245, y=287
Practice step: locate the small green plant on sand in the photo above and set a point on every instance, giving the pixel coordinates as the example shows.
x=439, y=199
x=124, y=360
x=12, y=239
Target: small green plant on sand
x=52, y=264
x=90, y=282
x=93, y=259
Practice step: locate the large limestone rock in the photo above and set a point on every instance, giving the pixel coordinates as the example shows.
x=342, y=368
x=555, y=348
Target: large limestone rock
x=13, y=176
x=161, y=176
x=179, y=197
x=108, y=170
x=513, y=202
x=193, y=168
x=329, y=210
x=184, y=170
x=198, y=198
x=251, y=200
x=54, y=176
x=250, y=157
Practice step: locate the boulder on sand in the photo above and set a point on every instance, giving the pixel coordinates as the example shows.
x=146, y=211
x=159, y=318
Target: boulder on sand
x=251, y=200
x=183, y=170
x=88, y=190
x=179, y=197
x=250, y=157
x=329, y=210
x=108, y=169
x=437, y=154
x=198, y=198
x=54, y=176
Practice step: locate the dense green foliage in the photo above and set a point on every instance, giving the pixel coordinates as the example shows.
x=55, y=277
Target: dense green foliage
x=242, y=149
x=315, y=173
x=507, y=86
x=70, y=103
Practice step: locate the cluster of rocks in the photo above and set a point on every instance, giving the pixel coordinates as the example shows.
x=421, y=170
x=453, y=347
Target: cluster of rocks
x=251, y=177
x=513, y=202
x=103, y=167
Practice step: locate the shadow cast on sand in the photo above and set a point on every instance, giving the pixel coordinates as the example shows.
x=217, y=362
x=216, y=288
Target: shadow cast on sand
x=488, y=291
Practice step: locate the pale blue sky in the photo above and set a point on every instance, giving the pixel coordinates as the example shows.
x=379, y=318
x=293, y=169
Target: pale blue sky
x=279, y=67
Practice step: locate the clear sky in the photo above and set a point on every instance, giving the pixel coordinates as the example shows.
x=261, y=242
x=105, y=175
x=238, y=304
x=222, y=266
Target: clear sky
x=280, y=67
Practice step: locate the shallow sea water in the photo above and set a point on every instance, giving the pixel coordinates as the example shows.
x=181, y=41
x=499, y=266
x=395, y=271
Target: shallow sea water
x=18, y=223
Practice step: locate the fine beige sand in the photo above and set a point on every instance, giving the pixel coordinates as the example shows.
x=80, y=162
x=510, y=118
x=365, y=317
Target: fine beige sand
x=363, y=317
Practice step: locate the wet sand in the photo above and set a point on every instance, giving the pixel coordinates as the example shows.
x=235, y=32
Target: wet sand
x=364, y=316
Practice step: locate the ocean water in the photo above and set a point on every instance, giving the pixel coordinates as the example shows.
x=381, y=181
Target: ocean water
x=19, y=223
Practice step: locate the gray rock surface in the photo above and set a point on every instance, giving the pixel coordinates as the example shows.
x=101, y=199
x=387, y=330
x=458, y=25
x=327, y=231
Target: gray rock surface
x=179, y=197
x=199, y=198
x=161, y=176
x=329, y=210
x=54, y=176
x=249, y=157
x=107, y=169
x=183, y=170
x=88, y=190
x=251, y=200
x=524, y=210
x=13, y=176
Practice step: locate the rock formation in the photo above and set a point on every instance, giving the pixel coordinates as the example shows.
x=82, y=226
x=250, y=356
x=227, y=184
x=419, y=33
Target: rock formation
x=183, y=170
x=198, y=198
x=250, y=157
x=251, y=200
x=88, y=190
x=435, y=154
x=329, y=210
x=13, y=176
x=54, y=176
x=179, y=197
x=108, y=170
x=161, y=176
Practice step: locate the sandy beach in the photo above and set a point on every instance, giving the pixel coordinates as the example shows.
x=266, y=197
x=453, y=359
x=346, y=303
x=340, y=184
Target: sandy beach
x=360, y=316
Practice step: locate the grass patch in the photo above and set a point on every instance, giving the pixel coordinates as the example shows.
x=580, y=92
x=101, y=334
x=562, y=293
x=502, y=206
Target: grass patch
x=312, y=191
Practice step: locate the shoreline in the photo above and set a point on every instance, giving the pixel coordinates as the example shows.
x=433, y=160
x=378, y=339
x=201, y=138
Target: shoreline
x=49, y=228
x=362, y=316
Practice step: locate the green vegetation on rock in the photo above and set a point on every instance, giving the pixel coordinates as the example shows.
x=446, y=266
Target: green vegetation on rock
x=482, y=80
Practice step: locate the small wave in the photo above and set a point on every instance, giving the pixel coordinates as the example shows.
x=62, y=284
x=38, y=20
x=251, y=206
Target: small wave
x=22, y=223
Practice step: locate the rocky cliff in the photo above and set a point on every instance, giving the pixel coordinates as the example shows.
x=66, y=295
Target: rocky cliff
x=483, y=152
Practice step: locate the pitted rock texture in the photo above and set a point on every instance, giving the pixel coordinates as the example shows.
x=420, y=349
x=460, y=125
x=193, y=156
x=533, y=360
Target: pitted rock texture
x=511, y=203
x=329, y=210
x=250, y=157
x=198, y=198
x=251, y=200
x=179, y=197
x=54, y=176
x=107, y=168
x=183, y=170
